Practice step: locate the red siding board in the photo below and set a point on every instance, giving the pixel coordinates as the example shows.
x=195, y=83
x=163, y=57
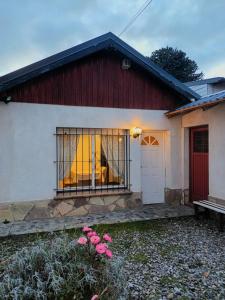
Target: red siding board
x=98, y=80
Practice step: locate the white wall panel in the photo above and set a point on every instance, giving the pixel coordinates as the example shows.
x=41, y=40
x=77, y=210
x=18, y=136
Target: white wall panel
x=28, y=148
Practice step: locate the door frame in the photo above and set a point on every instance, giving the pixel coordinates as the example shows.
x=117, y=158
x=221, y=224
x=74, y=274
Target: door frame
x=191, y=129
x=163, y=158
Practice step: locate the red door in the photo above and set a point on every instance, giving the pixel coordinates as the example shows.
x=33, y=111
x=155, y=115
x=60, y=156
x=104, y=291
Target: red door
x=199, y=163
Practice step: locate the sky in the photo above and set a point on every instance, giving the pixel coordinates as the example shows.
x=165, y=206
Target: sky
x=31, y=30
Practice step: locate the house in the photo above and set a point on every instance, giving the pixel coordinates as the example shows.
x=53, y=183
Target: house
x=203, y=142
x=208, y=86
x=98, y=128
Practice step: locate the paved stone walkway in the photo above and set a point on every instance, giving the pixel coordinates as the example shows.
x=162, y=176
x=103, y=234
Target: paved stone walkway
x=147, y=212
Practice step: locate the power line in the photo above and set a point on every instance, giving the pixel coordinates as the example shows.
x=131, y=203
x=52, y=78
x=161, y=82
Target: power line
x=136, y=15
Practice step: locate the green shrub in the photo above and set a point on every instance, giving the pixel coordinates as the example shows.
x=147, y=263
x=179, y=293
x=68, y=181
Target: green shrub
x=62, y=269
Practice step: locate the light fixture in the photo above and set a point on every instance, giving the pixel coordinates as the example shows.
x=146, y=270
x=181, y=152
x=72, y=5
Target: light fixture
x=136, y=132
x=126, y=64
x=6, y=99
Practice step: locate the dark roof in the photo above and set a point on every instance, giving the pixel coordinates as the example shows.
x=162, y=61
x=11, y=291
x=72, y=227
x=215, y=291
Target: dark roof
x=108, y=40
x=205, y=81
x=203, y=102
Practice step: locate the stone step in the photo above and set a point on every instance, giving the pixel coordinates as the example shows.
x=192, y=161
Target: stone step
x=149, y=212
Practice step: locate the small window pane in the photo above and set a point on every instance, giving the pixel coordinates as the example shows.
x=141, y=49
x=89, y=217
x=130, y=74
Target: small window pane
x=147, y=139
x=111, y=161
x=155, y=143
x=200, y=141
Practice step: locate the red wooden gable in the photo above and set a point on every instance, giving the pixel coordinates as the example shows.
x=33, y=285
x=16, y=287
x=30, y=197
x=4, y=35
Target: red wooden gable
x=100, y=81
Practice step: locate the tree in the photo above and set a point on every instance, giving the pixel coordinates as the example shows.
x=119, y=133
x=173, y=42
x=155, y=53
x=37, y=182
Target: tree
x=177, y=63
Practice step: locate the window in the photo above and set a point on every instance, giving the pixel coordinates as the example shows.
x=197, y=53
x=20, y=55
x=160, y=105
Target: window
x=149, y=140
x=92, y=159
x=201, y=141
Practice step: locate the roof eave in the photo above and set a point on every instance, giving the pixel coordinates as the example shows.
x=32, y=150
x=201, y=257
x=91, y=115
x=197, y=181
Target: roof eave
x=213, y=80
x=174, y=113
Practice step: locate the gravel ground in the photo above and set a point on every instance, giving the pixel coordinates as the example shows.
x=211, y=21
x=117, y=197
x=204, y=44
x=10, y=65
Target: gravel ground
x=164, y=259
x=174, y=259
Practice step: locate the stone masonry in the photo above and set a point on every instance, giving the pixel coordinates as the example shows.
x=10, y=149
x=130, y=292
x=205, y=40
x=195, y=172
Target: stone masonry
x=144, y=213
x=69, y=206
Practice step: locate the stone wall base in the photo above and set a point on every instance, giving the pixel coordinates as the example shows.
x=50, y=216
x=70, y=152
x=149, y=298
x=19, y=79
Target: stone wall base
x=176, y=197
x=186, y=197
x=173, y=196
x=68, y=206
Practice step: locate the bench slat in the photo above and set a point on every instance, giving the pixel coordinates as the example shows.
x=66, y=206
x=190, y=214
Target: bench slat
x=214, y=207
x=219, y=210
x=213, y=204
x=210, y=203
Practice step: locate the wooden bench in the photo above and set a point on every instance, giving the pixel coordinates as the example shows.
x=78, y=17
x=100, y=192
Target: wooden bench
x=208, y=205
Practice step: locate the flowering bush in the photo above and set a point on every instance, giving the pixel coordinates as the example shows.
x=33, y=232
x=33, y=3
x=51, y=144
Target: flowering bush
x=98, y=250
x=65, y=269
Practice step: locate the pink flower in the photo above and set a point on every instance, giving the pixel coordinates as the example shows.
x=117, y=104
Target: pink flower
x=82, y=240
x=107, y=238
x=95, y=239
x=95, y=297
x=91, y=233
x=108, y=253
x=100, y=248
x=86, y=229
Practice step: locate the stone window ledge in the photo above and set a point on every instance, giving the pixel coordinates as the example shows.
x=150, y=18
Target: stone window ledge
x=71, y=195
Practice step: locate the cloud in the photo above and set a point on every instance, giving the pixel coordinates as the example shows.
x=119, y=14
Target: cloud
x=32, y=30
x=217, y=70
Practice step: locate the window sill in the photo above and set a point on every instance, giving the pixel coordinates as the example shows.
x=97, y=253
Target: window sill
x=72, y=195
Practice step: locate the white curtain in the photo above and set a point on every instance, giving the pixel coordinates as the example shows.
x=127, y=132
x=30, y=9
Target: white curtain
x=67, y=145
x=114, y=151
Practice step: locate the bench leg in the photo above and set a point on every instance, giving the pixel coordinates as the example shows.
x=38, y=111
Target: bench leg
x=196, y=208
x=206, y=213
x=221, y=222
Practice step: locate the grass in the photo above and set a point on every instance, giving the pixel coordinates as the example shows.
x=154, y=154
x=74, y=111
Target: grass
x=168, y=250
x=139, y=258
x=168, y=280
x=10, y=245
x=153, y=225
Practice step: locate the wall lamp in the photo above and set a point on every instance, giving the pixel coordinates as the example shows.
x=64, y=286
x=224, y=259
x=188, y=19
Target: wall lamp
x=6, y=99
x=136, y=132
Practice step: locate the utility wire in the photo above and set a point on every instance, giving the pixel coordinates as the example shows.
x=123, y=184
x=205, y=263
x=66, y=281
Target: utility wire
x=136, y=15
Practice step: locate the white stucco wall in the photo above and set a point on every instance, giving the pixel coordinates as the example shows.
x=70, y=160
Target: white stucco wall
x=215, y=119
x=28, y=147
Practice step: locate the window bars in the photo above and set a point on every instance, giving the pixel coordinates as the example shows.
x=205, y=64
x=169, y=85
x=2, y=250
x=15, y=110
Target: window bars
x=92, y=159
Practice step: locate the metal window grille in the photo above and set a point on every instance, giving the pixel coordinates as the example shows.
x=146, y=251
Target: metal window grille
x=92, y=160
